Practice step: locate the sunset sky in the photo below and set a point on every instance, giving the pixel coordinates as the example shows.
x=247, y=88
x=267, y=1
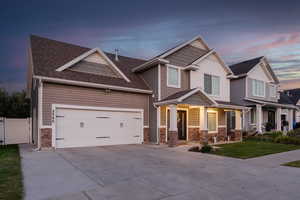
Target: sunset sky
x=238, y=30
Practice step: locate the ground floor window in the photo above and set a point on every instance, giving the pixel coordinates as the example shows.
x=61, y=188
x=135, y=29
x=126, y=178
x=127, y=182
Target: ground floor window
x=231, y=120
x=212, y=121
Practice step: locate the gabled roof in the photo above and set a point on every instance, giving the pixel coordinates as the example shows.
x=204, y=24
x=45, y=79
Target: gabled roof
x=48, y=55
x=245, y=66
x=180, y=96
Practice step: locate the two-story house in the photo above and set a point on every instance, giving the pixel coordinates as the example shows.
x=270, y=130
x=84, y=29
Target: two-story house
x=87, y=97
x=256, y=86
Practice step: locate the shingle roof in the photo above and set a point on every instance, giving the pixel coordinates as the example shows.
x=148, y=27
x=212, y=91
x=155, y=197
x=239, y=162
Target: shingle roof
x=293, y=94
x=285, y=99
x=49, y=54
x=177, y=95
x=245, y=66
x=228, y=103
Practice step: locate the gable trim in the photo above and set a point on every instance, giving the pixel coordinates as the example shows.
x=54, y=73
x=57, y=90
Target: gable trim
x=183, y=97
x=266, y=68
x=183, y=45
x=86, y=54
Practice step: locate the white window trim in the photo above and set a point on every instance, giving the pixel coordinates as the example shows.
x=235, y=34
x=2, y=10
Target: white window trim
x=179, y=76
x=256, y=95
x=212, y=95
x=217, y=121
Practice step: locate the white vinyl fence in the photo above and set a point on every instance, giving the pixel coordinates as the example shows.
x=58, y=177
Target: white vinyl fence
x=15, y=131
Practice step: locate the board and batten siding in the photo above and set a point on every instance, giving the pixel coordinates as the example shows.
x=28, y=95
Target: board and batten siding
x=81, y=96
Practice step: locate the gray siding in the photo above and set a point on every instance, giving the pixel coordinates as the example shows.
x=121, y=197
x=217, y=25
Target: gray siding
x=95, y=68
x=186, y=55
x=167, y=91
x=81, y=96
x=151, y=78
x=238, y=90
x=267, y=93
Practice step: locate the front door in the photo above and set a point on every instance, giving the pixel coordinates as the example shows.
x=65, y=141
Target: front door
x=271, y=119
x=181, y=124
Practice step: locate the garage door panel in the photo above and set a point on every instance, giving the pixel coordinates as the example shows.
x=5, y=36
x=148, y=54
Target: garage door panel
x=76, y=128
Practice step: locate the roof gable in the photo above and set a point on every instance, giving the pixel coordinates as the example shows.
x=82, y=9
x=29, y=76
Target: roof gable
x=94, y=56
x=48, y=55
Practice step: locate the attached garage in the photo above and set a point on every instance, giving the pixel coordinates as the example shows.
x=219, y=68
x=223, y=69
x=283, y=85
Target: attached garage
x=81, y=127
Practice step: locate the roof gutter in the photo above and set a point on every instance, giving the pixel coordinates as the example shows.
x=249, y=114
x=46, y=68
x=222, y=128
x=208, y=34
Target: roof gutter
x=92, y=85
x=150, y=63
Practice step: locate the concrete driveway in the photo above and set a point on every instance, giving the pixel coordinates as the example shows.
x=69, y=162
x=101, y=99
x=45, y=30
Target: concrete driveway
x=151, y=172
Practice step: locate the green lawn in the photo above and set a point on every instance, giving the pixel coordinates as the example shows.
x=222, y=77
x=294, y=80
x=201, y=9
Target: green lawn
x=293, y=164
x=251, y=149
x=11, y=187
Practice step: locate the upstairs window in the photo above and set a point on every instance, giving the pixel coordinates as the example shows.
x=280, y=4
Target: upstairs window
x=173, y=74
x=273, y=92
x=212, y=84
x=258, y=88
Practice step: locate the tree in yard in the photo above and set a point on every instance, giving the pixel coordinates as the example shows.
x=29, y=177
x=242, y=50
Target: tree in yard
x=14, y=105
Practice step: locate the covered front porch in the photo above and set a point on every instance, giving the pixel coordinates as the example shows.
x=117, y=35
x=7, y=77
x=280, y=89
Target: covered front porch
x=197, y=118
x=268, y=116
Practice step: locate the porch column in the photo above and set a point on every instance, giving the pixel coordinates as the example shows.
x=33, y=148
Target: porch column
x=278, y=119
x=258, y=118
x=203, y=125
x=238, y=126
x=244, y=120
x=173, y=133
x=290, y=118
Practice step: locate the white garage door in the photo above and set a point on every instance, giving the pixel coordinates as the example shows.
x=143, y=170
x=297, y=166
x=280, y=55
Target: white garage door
x=79, y=128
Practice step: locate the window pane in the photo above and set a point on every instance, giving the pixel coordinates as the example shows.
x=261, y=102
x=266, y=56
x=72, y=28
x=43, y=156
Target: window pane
x=207, y=84
x=172, y=76
x=215, y=85
x=258, y=88
x=212, y=121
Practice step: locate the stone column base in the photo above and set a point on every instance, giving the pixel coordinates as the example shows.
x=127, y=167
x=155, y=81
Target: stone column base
x=172, y=138
x=222, y=134
x=146, y=136
x=237, y=135
x=203, y=136
x=46, y=138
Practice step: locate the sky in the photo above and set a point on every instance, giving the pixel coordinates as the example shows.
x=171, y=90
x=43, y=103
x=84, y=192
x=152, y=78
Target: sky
x=237, y=30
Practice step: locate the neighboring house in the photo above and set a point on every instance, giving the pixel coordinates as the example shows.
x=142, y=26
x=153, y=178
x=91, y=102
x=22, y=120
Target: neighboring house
x=87, y=97
x=294, y=95
x=256, y=87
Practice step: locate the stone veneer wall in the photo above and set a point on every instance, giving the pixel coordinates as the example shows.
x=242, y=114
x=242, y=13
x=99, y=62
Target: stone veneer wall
x=194, y=134
x=46, y=138
x=162, y=135
x=146, y=136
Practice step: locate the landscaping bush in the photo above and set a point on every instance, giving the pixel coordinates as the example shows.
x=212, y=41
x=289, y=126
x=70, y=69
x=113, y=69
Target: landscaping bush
x=287, y=140
x=206, y=149
x=294, y=133
x=273, y=134
x=194, y=149
x=269, y=126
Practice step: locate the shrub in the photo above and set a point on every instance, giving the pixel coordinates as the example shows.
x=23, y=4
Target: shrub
x=294, y=133
x=269, y=126
x=194, y=149
x=273, y=134
x=287, y=140
x=206, y=148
